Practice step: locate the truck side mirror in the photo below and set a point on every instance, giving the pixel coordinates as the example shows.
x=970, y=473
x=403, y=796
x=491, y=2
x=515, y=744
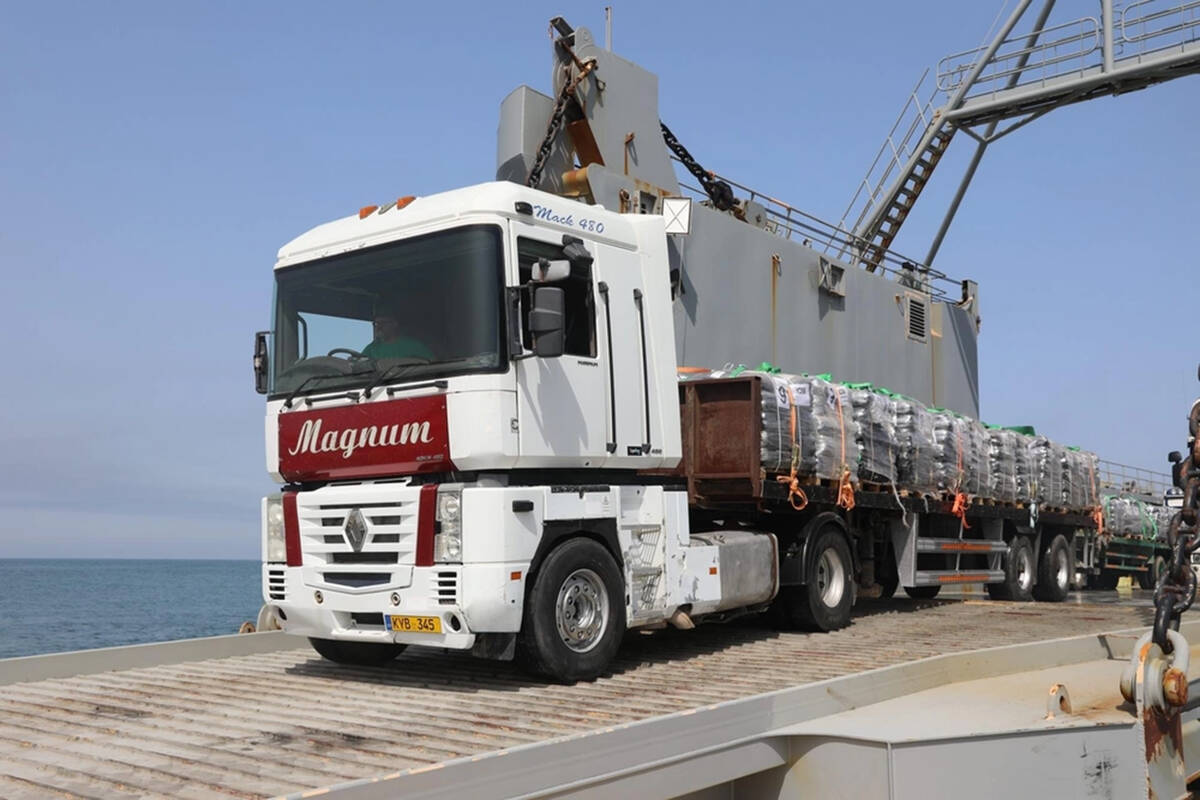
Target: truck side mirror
x=546, y=321
x=262, y=362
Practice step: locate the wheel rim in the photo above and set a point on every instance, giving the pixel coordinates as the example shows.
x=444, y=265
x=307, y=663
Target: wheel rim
x=831, y=578
x=1062, y=570
x=1024, y=571
x=581, y=611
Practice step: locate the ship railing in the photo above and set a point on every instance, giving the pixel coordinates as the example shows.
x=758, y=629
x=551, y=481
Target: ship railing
x=790, y=223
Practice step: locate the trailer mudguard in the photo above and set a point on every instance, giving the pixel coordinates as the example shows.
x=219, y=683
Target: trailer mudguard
x=792, y=569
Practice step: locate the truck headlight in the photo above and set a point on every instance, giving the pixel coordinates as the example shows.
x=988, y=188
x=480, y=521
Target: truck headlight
x=447, y=542
x=276, y=541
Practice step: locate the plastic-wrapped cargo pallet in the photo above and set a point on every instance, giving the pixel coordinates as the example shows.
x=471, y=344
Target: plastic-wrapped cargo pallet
x=874, y=414
x=1165, y=514
x=1135, y=518
x=962, y=454
x=1080, y=478
x=916, y=455
x=1004, y=447
x=778, y=395
x=826, y=431
x=1047, y=470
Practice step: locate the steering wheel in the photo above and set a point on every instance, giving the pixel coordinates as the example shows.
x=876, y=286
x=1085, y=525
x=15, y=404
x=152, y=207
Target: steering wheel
x=347, y=351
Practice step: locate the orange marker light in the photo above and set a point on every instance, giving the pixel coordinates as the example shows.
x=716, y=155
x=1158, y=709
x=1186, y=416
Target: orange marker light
x=516, y=576
x=365, y=211
x=712, y=570
x=404, y=201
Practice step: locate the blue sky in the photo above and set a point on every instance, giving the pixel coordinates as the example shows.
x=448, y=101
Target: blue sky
x=154, y=156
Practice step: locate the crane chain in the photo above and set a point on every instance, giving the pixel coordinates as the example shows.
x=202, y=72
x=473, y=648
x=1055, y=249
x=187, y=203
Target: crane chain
x=1176, y=588
x=556, y=119
x=717, y=190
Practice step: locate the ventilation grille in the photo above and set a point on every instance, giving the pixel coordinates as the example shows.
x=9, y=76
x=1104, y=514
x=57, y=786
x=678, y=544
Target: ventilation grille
x=275, y=589
x=445, y=589
x=357, y=580
x=918, y=319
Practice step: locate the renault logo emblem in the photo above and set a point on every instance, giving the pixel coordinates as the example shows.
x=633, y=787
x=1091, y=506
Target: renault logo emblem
x=356, y=529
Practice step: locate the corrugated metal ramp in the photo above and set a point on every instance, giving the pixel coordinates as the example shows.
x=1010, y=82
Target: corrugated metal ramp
x=285, y=722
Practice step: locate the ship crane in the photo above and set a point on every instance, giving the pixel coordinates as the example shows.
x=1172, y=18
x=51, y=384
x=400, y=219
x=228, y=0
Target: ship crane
x=998, y=88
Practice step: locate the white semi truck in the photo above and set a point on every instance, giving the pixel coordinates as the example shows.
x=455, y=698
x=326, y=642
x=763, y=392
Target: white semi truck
x=475, y=416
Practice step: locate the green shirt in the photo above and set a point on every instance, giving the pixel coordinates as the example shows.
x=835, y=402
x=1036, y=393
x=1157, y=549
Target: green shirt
x=400, y=347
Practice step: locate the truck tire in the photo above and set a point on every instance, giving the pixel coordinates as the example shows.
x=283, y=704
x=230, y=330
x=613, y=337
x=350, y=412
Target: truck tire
x=1149, y=578
x=574, y=614
x=824, y=601
x=1105, y=580
x=922, y=592
x=362, y=654
x=1018, y=573
x=1054, y=572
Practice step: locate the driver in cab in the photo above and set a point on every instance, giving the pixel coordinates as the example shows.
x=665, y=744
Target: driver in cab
x=390, y=341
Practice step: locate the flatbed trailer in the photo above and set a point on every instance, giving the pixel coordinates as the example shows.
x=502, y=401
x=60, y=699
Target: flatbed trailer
x=1102, y=560
x=899, y=538
x=677, y=715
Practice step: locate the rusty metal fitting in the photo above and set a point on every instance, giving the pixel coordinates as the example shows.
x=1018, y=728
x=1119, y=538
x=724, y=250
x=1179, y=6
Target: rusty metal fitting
x=1175, y=687
x=575, y=183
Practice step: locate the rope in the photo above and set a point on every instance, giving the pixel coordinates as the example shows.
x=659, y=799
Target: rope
x=845, y=497
x=796, y=495
x=899, y=502
x=959, y=508
x=845, y=487
x=1097, y=512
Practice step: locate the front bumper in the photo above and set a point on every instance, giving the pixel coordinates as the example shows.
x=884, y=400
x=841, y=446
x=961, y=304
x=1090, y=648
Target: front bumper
x=494, y=605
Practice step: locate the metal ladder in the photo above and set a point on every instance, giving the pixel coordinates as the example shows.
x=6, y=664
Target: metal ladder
x=1015, y=78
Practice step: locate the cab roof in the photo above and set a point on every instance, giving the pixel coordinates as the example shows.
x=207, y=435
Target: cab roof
x=395, y=220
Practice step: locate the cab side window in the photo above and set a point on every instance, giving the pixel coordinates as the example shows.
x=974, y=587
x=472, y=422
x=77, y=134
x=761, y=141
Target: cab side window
x=579, y=305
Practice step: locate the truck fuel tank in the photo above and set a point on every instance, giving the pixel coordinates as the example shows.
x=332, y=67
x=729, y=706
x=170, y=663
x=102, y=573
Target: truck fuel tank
x=749, y=565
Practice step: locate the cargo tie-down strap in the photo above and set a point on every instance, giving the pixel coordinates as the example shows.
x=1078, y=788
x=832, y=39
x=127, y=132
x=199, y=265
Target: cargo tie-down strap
x=845, y=497
x=961, y=501
x=1097, y=511
x=796, y=495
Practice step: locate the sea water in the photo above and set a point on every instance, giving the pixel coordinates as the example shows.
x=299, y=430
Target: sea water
x=55, y=605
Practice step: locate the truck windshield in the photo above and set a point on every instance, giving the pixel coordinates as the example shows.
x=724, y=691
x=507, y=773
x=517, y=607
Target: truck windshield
x=426, y=307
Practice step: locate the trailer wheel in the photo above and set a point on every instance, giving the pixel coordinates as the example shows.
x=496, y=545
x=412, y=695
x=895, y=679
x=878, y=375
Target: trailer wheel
x=922, y=592
x=575, y=613
x=823, y=603
x=362, y=654
x=1054, y=572
x=1149, y=578
x=1018, y=573
x=1105, y=580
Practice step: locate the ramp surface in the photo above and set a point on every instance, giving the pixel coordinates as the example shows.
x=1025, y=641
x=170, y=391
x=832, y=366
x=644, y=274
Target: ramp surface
x=284, y=722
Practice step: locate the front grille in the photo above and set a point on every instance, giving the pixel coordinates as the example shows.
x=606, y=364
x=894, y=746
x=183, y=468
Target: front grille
x=391, y=516
x=357, y=580
x=275, y=590
x=445, y=589
x=362, y=558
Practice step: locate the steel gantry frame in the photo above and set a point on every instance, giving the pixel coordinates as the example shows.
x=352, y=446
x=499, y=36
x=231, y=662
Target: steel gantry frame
x=1016, y=77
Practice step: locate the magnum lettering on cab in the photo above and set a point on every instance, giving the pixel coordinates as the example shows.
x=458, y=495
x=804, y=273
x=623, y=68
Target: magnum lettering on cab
x=368, y=440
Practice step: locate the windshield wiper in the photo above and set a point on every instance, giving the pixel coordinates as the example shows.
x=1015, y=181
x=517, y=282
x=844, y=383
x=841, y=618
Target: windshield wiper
x=292, y=396
x=394, y=371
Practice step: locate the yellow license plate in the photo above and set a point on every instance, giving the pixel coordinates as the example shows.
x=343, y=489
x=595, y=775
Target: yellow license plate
x=405, y=624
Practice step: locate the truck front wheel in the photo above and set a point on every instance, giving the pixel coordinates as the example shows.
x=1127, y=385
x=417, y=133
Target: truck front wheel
x=362, y=654
x=575, y=613
x=1054, y=573
x=823, y=603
